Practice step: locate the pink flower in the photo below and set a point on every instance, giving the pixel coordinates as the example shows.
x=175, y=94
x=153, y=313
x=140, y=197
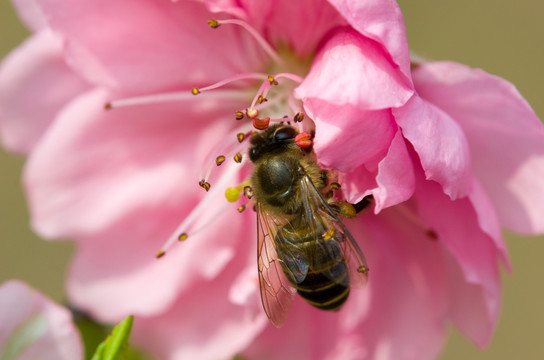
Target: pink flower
x=450, y=155
x=33, y=327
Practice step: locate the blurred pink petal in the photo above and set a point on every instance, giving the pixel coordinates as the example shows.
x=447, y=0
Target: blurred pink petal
x=127, y=263
x=505, y=136
x=36, y=74
x=33, y=327
x=200, y=324
x=30, y=13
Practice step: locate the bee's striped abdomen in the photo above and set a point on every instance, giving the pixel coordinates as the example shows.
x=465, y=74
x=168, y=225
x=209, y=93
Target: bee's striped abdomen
x=315, y=266
x=321, y=292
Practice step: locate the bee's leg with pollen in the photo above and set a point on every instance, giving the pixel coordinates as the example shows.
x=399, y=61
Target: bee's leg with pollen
x=348, y=210
x=342, y=208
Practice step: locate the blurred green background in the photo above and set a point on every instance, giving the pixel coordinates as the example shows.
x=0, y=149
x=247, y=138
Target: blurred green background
x=503, y=37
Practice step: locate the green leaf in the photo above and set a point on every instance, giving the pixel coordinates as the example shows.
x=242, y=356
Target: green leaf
x=116, y=344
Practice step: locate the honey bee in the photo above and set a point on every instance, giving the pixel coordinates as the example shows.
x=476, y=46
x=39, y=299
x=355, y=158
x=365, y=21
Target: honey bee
x=302, y=244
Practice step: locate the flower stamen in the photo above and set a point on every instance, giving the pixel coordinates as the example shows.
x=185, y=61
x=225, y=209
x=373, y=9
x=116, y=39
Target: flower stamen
x=214, y=24
x=219, y=160
x=202, y=209
x=230, y=79
x=173, y=97
x=289, y=76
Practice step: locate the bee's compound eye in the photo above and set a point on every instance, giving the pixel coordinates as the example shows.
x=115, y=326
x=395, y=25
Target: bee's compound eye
x=285, y=133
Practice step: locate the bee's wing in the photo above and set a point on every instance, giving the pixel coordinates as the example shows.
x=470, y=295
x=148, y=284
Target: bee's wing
x=276, y=292
x=316, y=210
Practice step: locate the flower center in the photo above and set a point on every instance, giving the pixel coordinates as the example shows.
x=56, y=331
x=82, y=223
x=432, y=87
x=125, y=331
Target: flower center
x=270, y=99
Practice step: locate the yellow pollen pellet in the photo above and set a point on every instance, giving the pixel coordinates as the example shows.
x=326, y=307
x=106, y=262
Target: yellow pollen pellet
x=232, y=194
x=195, y=91
x=219, y=160
x=238, y=158
x=183, y=237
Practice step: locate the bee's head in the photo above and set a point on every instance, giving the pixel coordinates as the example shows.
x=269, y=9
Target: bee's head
x=276, y=138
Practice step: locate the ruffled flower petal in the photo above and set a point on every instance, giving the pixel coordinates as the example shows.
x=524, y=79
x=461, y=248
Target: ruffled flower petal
x=353, y=70
x=33, y=327
x=390, y=183
x=506, y=138
x=346, y=150
x=440, y=144
x=35, y=83
x=381, y=21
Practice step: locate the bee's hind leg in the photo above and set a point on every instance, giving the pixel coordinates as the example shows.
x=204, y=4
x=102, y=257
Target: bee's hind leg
x=347, y=210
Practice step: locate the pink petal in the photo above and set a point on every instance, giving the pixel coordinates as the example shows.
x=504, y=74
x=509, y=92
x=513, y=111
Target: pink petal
x=202, y=324
x=355, y=71
x=396, y=182
x=127, y=178
x=440, y=144
x=390, y=184
x=110, y=158
x=475, y=256
x=297, y=25
x=488, y=220
x=342, y=138
x=381, y=21
x=126, y=254
x=30, y=13
x=505, y=136
x=35, y=83
x=32, y=327
x=404, y=264
x=154, y=46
